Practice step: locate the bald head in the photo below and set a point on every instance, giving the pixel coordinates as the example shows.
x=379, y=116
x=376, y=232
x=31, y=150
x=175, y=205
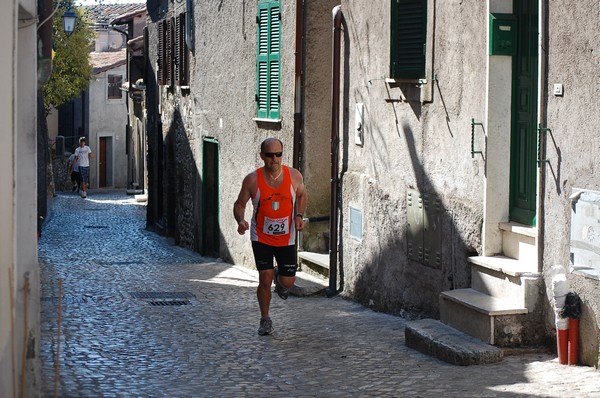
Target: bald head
x=268, y=142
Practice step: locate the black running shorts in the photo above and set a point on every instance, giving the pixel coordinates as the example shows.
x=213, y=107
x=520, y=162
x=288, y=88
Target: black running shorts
x=284, y=255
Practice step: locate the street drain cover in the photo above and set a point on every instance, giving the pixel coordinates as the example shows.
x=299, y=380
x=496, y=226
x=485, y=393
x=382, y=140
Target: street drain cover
x=162, y=295
x=164, y=303
x=97, y=226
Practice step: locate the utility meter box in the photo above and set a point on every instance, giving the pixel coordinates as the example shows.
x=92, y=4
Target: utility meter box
x=503, y=34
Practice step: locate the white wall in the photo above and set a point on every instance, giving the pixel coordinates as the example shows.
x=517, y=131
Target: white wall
x=18, y=240
x=108, y=118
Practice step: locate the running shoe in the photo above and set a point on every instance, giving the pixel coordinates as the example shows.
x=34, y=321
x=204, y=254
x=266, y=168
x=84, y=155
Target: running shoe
x=266, y=327
x=281, y=291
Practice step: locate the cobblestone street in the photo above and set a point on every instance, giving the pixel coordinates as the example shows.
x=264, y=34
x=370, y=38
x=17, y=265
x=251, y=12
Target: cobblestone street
x=117, y=340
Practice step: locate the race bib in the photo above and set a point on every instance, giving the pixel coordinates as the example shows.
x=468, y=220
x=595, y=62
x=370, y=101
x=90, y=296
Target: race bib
x=276, y=226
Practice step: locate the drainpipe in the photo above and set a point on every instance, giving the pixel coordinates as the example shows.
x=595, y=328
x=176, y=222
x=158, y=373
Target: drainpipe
x=299, y=87
x=542, y=104
x=335, y=139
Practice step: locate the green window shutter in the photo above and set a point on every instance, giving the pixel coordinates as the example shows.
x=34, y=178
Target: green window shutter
x=408, y=38
x=268, y=60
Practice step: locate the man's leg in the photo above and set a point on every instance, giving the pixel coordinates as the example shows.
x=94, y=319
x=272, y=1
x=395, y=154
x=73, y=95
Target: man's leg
x=263, y=255
x=263, y=291
x=84, y=174
x=286, y=270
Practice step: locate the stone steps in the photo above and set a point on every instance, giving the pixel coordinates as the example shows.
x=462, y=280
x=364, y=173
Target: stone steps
x=504, y=288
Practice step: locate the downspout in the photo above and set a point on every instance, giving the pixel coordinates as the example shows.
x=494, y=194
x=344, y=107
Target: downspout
x=299, y=87
x=335, y=139
x=542, y=104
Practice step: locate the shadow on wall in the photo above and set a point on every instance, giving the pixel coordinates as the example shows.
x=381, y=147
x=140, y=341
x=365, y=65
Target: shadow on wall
x=190, y=207
x=392, y=278
x=401, y=277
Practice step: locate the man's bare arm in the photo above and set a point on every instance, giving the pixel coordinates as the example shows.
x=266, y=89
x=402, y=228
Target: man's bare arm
x=239, y=207
x=301, y=199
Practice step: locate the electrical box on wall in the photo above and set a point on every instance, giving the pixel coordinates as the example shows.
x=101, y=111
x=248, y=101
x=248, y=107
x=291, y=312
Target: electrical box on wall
x=359, y=123
x=503, y=34
x=424, y=228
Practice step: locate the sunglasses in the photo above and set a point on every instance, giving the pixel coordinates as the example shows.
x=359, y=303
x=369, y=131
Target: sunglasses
x=273, y=154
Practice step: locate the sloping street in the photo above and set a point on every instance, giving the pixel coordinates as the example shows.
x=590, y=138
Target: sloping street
x=140, y=317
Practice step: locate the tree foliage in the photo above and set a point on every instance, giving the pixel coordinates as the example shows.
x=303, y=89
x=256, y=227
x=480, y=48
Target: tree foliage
x=71, y=69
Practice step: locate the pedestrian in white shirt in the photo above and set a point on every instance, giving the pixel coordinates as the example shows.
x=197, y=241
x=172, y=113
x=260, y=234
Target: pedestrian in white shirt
x=83, y=155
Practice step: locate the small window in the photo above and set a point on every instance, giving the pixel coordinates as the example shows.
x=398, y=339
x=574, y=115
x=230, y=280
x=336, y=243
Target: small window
x=268, y=60
x=114, y=86
x=408, y=39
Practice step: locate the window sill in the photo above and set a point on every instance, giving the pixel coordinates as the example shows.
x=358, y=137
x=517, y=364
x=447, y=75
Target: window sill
x=591, y=273
x=261, y=120
x=394, y=81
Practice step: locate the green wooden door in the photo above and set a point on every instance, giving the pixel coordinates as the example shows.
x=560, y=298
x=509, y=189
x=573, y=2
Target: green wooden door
x=523, y=165
x=210, y=199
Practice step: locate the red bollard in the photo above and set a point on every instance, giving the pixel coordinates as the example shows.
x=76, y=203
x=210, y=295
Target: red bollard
x=573, y=341
x=562, y=342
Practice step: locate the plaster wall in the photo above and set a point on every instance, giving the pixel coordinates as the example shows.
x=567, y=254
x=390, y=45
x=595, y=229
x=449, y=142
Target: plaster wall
x=316, y=165
x=8, y=28
x=572, y=149
x=414, y=138
x=108, y=39
x=225, y=107
x=19, y=277
x=108, y=118
x=220, y=105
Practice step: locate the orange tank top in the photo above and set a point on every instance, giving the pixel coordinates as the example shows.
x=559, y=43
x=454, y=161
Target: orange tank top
x=273, y=217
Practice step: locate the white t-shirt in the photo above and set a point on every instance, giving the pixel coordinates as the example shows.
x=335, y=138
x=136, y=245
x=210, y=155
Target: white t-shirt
x=83, y=156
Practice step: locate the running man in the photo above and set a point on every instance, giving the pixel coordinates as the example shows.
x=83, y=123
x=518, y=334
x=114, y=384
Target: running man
x=279, y=200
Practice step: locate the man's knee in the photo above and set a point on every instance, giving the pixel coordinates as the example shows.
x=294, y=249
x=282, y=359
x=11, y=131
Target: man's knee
x=287, y=269
x=265, y=278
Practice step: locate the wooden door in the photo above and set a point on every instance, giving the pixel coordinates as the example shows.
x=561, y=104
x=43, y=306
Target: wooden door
x=102, y=163
x=523, y=164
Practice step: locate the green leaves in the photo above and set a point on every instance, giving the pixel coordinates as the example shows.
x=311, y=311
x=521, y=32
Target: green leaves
x=71, y=69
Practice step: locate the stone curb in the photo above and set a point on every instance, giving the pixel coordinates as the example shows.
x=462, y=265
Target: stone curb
x=441, y=341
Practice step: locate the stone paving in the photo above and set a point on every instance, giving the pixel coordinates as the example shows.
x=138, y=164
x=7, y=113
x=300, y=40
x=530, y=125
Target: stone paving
x=113, y=344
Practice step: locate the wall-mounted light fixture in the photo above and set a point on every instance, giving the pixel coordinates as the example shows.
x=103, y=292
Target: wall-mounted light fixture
x=69, y=18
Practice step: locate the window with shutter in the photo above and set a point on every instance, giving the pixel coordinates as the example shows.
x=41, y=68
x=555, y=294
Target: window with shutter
x=176, y=50
x=180, y=59
x=169, y=51
x=408, y=39
x=160, y=58
x=114, y=86
x=268, y=60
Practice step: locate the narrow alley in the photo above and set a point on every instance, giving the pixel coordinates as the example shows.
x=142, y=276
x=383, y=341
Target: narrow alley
x=119, y=338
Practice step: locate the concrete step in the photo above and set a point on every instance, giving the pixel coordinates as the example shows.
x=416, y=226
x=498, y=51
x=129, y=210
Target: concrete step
x=321, y=259
x=308, y=285
x=441, y=341
x=316, y=264
x=483, y=303
x=504, y=278
x=475, y=313
x=504, y=264
x=519, y=242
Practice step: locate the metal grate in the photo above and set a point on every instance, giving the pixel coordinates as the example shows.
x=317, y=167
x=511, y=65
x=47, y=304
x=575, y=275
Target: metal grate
x=168, y=303
x=97, y=226
x=162, y=295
